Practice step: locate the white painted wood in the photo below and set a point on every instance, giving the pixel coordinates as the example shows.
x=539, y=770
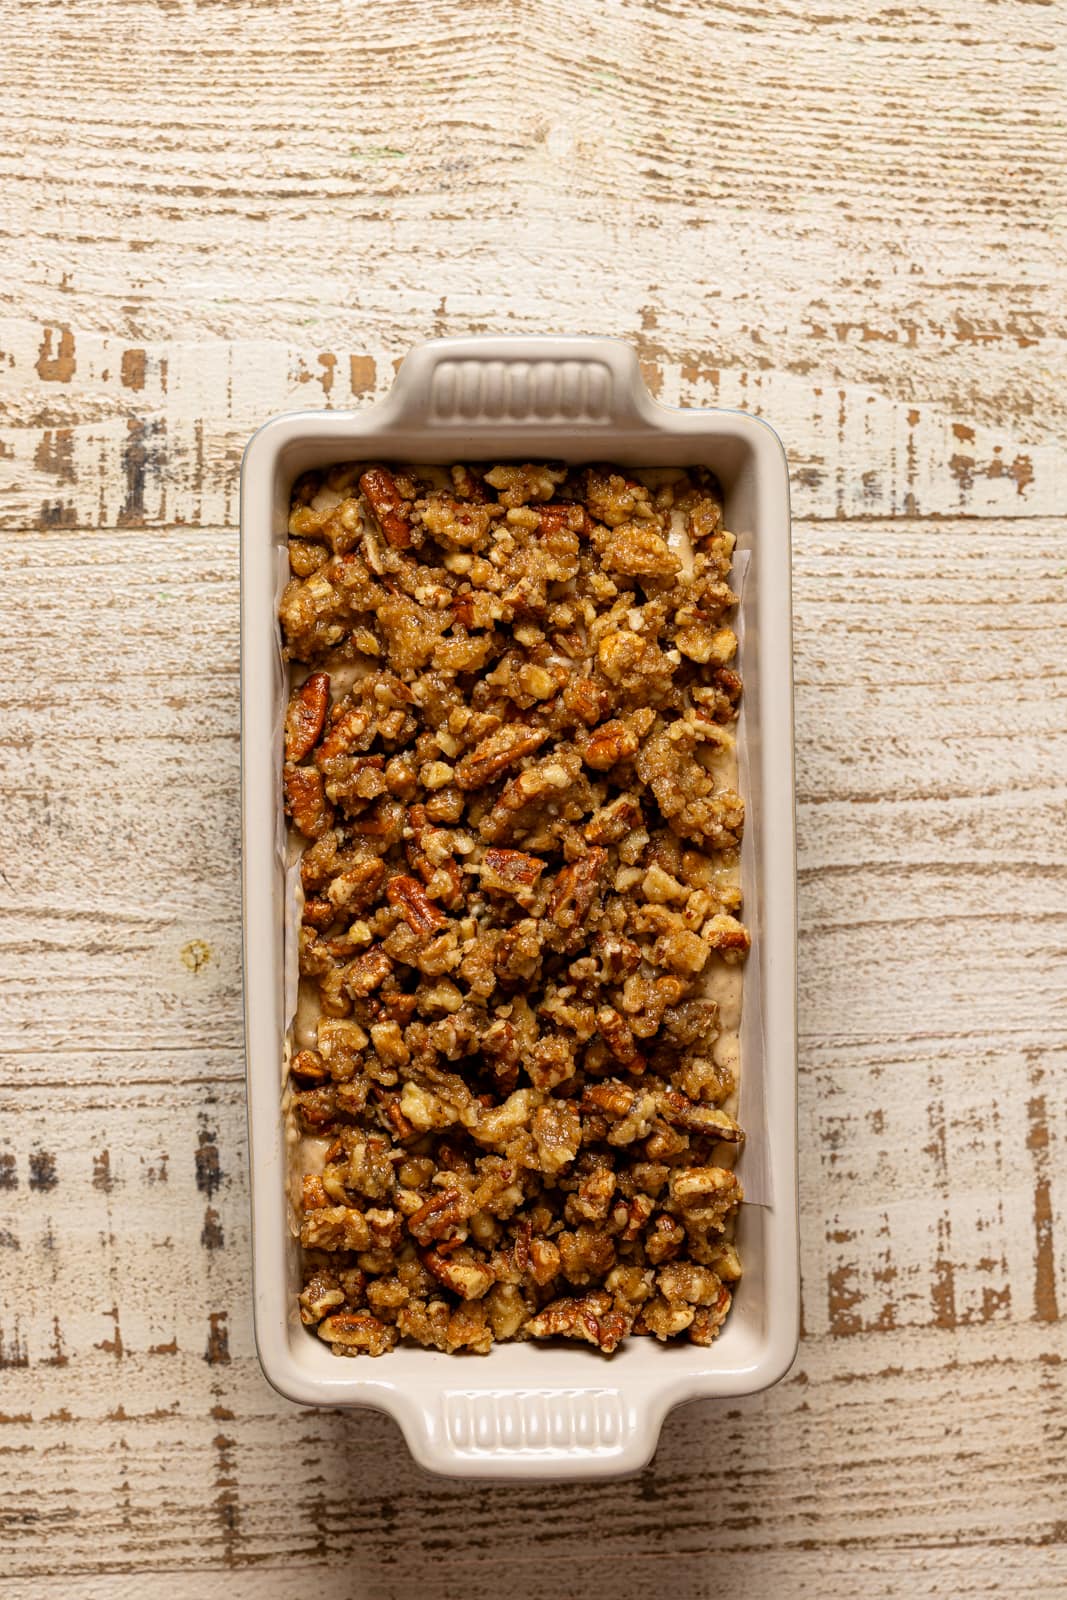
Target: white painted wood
x=843, y=222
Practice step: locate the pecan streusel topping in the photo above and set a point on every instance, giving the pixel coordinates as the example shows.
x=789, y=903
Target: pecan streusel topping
x=508, y=752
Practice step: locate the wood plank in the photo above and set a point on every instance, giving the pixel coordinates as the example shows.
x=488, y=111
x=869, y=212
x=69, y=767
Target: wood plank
x=153, y=433
x=844, y=223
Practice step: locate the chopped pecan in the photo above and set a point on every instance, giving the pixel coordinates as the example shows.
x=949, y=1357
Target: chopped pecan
x=309, y=1067
x=358, y=1330
x=511, y=872
x=306, y=802
x=352, y=729
x=586, y=700
x=358, y=887
x=368, y=972
x=613, y=1099
x=575, y=888
x=419, y=912
x=497, y=753
x=464, y=1275
x=590, y=1317
x=564, y=514
x=442, y=1216
x=638, y=551
x=390, y=510
x=607, y=745
x=313, y=1194
x=306, y=715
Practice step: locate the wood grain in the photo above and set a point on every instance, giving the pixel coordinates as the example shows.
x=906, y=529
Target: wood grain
x=846, y=223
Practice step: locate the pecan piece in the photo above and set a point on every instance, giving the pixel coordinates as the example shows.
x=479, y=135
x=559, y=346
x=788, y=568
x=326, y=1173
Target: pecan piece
x=586, y=700
x=318, y=913
x=313, y=1195
x=730, y=937
x=612, y=1098
x=306, y=715
x=466, y=1277
x=511, y=872
x=575, y=888
x=322, y=1294
x=390, y=509
x=676, y=1109
x=315, y=1109
x=564, y=516
x=607, y=745
x=410, y=898
x=309, y=1066
x=357, y=888
x=442, y=1216
x=590, y=1318
x=495, y=754
x=367, y=972
x=358, y=1330
x=618, y=1036
x=306, y=802
x=351, y=729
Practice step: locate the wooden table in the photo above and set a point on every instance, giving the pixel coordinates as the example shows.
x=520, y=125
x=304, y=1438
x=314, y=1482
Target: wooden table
x=840, y=221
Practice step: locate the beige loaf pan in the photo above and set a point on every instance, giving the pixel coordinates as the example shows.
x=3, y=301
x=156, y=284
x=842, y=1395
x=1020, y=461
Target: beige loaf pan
x=526, y=1410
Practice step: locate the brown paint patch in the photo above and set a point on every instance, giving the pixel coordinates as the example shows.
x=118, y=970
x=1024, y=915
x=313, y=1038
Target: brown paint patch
x=961, y=431
x=994, y=1301
x=156, y=1174
x=42, y=1170
x=135, y=466
x=132, y=369
x=102, y=1175
x=362, y=374
x=196, y=954
x=1046, y=1305
x=222, y=1413
x=211, y=1234
x=226, y=1507
x=217, y=1353
x=943, y=1286
x=59, y=1357
x=60, y=367
x=209, y=1173
x=965, y=469
x=9, y=1178
x=55, y=454
x=56, y=514
x=843, y=1297
x=17, y=1416
x=144, y=460
x=653, y=376
x=115, y=1346
x=328, y=363
x=170, y=1349
x=13, y=1351
x=62, y=1415
x=1022, y=470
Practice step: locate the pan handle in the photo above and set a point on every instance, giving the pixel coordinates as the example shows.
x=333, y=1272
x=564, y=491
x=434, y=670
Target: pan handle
x=532, y=1433
x=454, y=385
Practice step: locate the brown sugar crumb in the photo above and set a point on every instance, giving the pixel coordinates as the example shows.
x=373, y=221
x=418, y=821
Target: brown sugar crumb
x=506, y=765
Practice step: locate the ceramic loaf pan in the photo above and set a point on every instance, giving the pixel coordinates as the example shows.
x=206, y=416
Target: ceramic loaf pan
x=525, y=1410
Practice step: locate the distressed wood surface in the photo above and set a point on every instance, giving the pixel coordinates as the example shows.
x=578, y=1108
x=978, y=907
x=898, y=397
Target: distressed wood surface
x=846, y=223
